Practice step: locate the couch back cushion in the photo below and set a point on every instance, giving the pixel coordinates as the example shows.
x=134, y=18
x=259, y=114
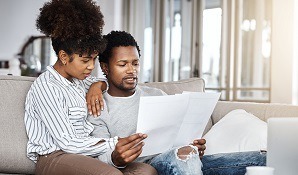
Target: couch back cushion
x=176, y=87
x=13, y=138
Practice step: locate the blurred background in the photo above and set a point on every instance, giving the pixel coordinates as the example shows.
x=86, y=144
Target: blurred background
x=245, y=49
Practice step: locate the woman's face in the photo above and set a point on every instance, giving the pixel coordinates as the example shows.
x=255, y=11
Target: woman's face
x=78, y=66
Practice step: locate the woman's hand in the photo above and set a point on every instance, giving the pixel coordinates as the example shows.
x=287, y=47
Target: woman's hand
x=200, y=144
x=94, y=98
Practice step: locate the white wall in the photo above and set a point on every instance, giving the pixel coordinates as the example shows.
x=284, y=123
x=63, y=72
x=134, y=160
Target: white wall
x=17, y=24
x=284, y=65
x=112, y=11
x=17, y=21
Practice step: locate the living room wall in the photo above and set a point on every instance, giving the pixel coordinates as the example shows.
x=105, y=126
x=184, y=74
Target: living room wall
x=18, y=24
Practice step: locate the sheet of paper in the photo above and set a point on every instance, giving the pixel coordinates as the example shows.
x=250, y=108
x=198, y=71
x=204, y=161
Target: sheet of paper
x=174, y=120
x=199, y=110
x=160, y=117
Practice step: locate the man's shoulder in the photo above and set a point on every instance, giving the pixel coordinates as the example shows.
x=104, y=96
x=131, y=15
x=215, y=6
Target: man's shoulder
x=150, y=91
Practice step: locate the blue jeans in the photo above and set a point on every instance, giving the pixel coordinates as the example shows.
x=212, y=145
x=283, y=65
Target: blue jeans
x=168, y=163
x=232, y=163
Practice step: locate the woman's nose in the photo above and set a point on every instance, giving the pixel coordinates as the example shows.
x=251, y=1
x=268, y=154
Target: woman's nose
x=91, y=65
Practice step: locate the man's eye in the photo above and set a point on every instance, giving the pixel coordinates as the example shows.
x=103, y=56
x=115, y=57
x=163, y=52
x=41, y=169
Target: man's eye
x=121, y=65
x=85, y=61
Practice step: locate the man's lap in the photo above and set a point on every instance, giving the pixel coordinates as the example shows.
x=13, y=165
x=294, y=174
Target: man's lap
x=232, y=163
x=169, y=163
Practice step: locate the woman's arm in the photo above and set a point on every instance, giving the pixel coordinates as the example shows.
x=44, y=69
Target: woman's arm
x=94, y=88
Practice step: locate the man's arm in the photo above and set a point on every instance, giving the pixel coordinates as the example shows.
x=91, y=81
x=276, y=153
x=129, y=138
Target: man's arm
x=100, y=124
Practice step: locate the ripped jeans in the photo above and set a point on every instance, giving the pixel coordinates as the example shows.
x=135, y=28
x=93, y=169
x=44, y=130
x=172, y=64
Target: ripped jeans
x=218, y=164
x=169, y=163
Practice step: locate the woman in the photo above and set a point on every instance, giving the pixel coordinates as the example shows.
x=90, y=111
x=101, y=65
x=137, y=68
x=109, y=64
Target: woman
x=55, y=108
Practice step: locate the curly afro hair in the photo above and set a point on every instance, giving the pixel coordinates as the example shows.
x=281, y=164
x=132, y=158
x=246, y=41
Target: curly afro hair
x=74, y=26
x=117, y=39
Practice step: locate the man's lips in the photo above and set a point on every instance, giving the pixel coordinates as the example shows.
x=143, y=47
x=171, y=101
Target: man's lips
x=130, y=79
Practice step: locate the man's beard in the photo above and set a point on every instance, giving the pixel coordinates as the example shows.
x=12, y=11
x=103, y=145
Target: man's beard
x=123, y=87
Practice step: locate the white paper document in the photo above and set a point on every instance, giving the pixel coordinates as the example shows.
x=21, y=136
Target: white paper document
x=174, y=120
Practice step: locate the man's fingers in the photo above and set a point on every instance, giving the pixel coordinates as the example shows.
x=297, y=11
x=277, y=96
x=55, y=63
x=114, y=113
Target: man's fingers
x=201, y=147
x=130, y=141
x=199, y=141
x=134, y=153
x=131, y=154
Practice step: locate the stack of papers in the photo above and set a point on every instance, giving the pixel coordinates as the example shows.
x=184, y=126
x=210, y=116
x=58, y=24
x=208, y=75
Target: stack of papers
x=174, y=120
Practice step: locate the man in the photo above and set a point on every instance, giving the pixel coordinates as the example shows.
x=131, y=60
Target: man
x=55, y=109
x=121, y=65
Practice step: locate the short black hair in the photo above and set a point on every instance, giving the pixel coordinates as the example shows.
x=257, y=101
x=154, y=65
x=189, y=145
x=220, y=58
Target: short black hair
x=74, y=26
x=117, y=39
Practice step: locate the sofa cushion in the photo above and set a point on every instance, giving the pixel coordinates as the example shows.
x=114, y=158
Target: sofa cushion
x=237, y=131
x=177, y=87
x=13, y=134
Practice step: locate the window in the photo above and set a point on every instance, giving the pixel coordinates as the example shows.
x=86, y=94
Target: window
x=226, y=42
x=240, y=69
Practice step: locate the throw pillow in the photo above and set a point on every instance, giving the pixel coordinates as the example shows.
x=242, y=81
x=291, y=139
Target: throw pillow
x=236, y=132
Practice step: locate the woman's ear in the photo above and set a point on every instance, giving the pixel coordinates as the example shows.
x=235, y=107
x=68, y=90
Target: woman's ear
x=104, y=68
x=63, y=57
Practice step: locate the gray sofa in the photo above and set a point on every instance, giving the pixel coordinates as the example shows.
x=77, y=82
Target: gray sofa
x=13, y=137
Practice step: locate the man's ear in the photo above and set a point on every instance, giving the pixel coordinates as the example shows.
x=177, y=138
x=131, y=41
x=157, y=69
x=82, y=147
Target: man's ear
x=104, y=68
x=63, y=57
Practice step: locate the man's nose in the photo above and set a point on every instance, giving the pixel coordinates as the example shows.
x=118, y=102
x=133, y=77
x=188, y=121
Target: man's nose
x=131, y=69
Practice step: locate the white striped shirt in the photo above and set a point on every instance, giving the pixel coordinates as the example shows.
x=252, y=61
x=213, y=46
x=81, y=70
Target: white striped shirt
x=55, y=118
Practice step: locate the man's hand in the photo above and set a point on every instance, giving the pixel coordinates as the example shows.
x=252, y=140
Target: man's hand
x=200, y=144
x=94, y=98
x=128, y=149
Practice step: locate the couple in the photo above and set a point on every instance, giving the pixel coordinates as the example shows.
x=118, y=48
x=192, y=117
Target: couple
x=60, y=139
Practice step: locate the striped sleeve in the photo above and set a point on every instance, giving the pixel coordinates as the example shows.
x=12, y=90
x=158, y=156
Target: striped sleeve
x=51, y=110
x=87, y=82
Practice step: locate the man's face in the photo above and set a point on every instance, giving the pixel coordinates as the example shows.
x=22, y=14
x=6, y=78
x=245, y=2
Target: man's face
x=122, y=70
x=80, y=67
